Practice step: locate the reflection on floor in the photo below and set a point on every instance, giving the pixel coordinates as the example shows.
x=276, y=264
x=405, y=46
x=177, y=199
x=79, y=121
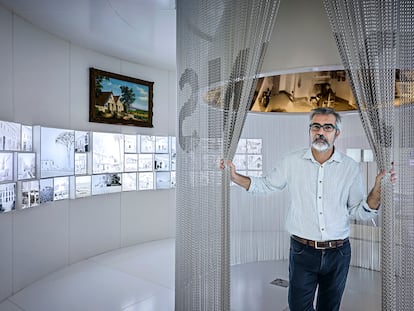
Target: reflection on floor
x=141, y=278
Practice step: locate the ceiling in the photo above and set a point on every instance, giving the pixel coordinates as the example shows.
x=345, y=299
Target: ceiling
x=140, y=31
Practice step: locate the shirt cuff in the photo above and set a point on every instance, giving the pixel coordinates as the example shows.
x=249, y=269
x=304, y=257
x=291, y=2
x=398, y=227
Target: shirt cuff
x=369, y=210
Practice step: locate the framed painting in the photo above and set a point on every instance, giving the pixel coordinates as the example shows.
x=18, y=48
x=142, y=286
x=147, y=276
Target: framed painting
x=119, y=99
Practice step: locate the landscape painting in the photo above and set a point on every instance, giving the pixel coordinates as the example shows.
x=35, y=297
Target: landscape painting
x=118, y=99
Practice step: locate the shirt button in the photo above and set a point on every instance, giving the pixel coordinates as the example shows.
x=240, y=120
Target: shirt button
x=320, y=198
x=320, y=213
x=320, y=181
x=322, y=229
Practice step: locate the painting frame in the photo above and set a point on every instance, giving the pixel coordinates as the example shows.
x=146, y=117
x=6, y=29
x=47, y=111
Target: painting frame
x=120, y=104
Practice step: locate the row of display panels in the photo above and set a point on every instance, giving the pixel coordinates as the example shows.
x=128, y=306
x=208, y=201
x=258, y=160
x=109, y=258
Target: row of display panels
x=42, y=152
x=16, y=166
x=40, y=164
x=18, y=137
x=26, y=194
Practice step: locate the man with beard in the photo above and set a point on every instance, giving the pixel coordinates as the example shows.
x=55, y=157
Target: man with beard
x=326, y=189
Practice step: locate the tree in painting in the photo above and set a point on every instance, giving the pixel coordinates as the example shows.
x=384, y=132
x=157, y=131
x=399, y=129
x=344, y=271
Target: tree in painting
x=127, y=97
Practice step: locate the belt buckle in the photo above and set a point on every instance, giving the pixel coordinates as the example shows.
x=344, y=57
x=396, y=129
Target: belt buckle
x=323, y=247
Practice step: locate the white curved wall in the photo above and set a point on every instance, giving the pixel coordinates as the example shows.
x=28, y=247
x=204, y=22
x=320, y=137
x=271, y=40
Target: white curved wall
x=45, y=81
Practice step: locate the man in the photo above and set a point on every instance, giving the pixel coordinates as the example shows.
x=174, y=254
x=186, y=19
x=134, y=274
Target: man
x=326, y=189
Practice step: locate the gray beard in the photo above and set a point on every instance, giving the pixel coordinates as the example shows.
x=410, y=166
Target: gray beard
x=321, y=146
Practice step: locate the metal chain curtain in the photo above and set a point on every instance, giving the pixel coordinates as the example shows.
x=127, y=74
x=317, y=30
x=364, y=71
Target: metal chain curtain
x=405, y=188
x=220, y=46
x=367, y=33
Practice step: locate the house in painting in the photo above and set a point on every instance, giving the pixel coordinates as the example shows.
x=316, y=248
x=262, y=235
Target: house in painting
x=107, y=102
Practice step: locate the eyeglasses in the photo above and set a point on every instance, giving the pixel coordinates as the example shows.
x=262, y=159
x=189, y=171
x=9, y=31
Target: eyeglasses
x=314, y=127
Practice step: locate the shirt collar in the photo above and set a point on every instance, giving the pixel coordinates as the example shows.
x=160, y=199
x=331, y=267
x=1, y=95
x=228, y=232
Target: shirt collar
x=336, y=156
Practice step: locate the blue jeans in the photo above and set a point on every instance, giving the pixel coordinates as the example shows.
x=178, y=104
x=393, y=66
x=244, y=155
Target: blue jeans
x=310, y=268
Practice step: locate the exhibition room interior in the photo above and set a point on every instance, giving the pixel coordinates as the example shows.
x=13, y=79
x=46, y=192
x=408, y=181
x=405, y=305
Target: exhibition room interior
x=88, y=211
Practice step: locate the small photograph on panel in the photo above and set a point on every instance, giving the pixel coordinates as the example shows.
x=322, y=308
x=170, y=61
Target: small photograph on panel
x=255, y=162
x=6, y=166
x=130, y=143
x=81, y=163
x=61, y=188
x=131, y=162
x=108, y=153
x=162, y=162
x=10, y=136
x=57, y=152
x=240, y=161
x=30, y=194
x=83, y=186
x=106, y=183
x=147, y=144
x=26, y=165
x=162, y=180
x=27, y=138
x=7, y=197
x=161, y=144
x=146, y=181
x=82, y=143
x=173, y=179
x=46, y=190
x=145, y=162
x=129, y=181
x=242, y=146
x=254, y=145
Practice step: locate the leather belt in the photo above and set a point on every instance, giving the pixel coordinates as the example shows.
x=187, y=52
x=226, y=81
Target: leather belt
x=320, y=244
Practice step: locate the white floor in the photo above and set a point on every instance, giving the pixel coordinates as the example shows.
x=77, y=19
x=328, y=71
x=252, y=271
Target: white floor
x=141, y=278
